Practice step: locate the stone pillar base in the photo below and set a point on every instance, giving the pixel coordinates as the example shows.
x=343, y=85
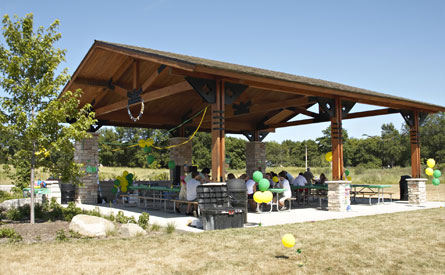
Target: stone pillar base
x=338, y=195
x=416, y=190
x=182, y=154
x=87, y=153
x=255, y=157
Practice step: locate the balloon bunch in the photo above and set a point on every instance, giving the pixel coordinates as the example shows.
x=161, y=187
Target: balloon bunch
x=147, y=144
x=123, y=182
x=430, y=172
x=288, y=241
x=348, y=177
x=262, y=196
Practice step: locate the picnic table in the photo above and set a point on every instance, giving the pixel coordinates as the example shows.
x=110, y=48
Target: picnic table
x=370, y=190
x=37, y=190
x=310, y=187
x=154, y=193
x=275, y=191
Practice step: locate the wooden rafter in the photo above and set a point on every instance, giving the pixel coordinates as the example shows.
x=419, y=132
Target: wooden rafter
x=152, y=78
x=349, y=116
x=152, y=95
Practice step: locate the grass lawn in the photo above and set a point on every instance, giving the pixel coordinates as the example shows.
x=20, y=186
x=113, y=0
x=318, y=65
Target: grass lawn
x=400, y=243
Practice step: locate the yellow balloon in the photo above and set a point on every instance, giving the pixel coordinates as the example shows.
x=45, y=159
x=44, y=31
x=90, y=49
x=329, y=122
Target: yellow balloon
x=267, y=196
x=258, y=197
x=349, y=178
x=429, y=171
x=431, y=163
x=125, y=173
x=124, y=189
x=288, y=240
x=328, y=156
x=275, y=179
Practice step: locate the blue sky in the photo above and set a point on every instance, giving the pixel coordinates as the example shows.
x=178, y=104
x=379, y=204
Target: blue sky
x=394, y=47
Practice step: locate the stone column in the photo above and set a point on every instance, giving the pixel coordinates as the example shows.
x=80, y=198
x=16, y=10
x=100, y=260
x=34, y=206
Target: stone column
x=181, y=154
x=416, y=190
x=338, y=195
x=255, y=156
x=87, y=153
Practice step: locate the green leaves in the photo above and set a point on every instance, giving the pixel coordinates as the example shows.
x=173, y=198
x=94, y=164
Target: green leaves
x=33, y=117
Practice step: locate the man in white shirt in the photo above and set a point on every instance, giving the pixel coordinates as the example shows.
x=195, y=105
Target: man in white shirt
x=251, y=188
x=284, y=183
x=300, y=180
x=191, y=191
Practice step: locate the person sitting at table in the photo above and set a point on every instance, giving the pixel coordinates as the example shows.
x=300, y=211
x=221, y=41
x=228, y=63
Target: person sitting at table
x=191, y=192
x=251, y=189
x=322, y=179
x=205, y=175
x=230, y=176
x=243, y=177
x=300, y=180
x=269, y=177
x=287, y=193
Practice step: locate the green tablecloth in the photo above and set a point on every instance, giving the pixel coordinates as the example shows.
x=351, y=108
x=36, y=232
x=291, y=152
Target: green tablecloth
x=371, y=185
x=276, y=190
x=155, y=188
x=45, y=191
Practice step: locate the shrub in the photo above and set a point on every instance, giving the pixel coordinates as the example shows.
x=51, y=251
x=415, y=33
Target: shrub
x=143, y=220
x=14, y=214
x=155, y=227
x=8, y=232
x=70, y=211
x=60, y=235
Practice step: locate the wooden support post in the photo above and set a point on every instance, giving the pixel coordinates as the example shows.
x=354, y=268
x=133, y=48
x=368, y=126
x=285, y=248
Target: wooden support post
x=218, y=134
x=135, y=74
x=415, y=146
x=337, y=142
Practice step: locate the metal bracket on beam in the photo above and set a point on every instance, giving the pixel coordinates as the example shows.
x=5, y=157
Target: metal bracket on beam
x=408, y=116
x=94, y=128
x=206, y=88
x=134, y=96
x=232, y=92
x=346, y=107
x=327, y=106
x=251, y=136
x=241, y=108
x=422, y=117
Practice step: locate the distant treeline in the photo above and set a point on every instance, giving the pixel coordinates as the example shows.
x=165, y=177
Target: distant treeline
x=391, y=148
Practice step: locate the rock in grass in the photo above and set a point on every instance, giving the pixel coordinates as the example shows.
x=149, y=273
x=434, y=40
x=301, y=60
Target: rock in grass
x=131, y=230
x=91, y=226
x=16, y=203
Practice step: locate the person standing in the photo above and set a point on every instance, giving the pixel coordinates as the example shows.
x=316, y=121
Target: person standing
x=309, y=176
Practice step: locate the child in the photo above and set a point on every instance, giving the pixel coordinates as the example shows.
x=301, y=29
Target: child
x=284, y=183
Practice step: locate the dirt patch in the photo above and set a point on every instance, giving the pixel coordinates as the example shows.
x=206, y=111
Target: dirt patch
x=38, y=232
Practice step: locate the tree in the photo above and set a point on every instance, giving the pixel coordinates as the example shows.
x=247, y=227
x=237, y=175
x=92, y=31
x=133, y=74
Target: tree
x=391, y=145
x=35, y=117
x=432, y=137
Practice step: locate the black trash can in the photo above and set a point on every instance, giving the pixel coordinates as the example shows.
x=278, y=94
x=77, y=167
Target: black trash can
x=237, y=191
x=212, y=195
x=222, y=218
x=67, y=192
x=404, y=187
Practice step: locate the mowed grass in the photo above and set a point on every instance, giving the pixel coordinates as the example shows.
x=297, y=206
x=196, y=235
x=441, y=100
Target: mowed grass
x=401, y=243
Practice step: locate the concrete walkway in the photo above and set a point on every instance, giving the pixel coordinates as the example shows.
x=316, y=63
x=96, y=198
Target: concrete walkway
x=298, y=215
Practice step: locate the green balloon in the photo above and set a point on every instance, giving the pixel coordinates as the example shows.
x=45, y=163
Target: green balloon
x=117, y=182
x=89, y=169
x=347, y=172
x=129, y=177
x=150, y=159
x=436, y=182
x=257, y=176
x=114, y=190
x=263, y=184
x=437, y=174
x=171, y=164
x=147, y=149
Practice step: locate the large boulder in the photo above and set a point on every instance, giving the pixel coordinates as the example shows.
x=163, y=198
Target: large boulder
x=131, y=230
x=91, y=226
x=16, y=203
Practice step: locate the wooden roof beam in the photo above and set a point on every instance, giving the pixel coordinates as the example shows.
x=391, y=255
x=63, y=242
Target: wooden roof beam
x=349, y=116
x=152, y=78
x=152, y=95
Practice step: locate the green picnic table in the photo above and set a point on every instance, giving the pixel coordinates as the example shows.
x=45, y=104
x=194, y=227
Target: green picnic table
x=311, y=187
x=370, y=189
x=42, y=191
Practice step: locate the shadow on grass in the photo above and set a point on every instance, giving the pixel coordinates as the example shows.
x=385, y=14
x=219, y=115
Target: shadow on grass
x=282, y=257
